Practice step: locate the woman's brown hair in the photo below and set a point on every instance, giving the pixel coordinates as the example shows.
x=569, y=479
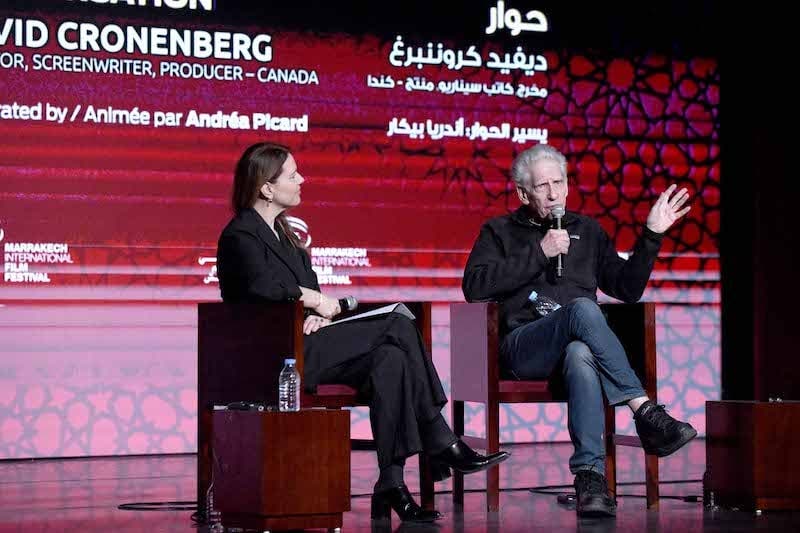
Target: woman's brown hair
x=259, y=164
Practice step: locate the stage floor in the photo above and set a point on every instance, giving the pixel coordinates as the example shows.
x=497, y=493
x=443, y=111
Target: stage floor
x=82, y=495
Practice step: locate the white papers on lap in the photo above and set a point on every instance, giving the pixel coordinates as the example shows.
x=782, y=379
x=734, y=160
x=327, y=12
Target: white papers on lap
x=386, y=309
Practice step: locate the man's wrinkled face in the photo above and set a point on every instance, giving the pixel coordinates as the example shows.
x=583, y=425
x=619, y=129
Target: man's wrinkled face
x=547, y=189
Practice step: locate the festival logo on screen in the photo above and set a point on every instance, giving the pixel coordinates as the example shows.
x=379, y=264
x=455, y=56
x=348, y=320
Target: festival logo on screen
x=333, y=265
x=300, y=229
x=26, y=262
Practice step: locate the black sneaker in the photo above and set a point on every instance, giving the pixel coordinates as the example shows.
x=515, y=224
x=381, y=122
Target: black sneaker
x=593, y=499
x=661, y=434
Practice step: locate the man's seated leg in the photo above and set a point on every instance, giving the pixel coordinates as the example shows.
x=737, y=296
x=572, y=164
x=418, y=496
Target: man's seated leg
x=588, y=325
x=586, y=427
x=660, y=433
x=534, y=351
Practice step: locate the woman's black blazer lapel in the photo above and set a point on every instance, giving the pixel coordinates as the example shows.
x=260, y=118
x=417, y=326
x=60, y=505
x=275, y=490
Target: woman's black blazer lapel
x=281, y=251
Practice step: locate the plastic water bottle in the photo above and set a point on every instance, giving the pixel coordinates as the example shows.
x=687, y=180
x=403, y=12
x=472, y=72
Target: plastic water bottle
x=542, y=304
x=289, y=387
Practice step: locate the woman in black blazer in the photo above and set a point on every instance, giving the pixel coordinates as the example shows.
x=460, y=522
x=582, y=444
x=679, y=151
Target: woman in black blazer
x=260, y=258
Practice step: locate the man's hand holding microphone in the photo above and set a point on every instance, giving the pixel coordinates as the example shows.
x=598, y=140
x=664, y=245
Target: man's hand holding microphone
x=556, y=241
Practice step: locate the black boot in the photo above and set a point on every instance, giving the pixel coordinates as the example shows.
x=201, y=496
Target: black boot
x=661, y=434
x=593, y=499
x=461, y=457
x=399, y=499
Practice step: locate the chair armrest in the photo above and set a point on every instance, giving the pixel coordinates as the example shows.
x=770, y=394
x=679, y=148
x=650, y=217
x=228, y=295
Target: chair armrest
x=635, y=327
x=474, y=348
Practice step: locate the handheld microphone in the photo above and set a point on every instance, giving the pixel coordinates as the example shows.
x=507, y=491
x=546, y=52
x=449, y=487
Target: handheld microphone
x=348, y=303
x=558, y=212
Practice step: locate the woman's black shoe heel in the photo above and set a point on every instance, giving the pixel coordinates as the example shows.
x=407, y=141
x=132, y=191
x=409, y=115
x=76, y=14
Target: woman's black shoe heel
x=439, y=470
x=399, y=499
x=380, y=508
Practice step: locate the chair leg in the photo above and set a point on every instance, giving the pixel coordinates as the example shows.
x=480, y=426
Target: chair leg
x=458, y=429
x=493, y=446
x=651, y=480
x=611, y=450
x=426, y=482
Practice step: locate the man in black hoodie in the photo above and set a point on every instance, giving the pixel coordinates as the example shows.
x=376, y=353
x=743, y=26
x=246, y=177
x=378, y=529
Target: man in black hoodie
x=514, y=262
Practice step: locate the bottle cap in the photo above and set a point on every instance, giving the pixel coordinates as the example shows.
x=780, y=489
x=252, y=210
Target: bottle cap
x=533, y=295
x=289, y=361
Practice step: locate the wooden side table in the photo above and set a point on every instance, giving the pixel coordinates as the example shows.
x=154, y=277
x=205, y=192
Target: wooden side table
x=752, y=452
x=277, y=470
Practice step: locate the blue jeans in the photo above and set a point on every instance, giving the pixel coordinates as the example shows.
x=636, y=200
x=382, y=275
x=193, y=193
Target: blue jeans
x=576, y=340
